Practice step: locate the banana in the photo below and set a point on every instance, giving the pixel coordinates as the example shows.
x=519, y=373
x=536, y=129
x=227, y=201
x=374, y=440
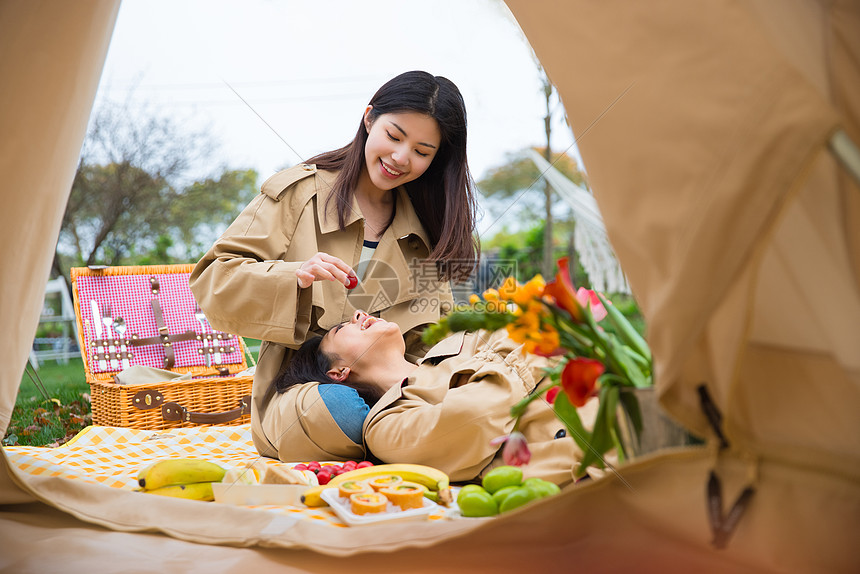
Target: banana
x=193, y=491
x=313, y=495
x=241, y=476
x=434, y=479
x=179, y=471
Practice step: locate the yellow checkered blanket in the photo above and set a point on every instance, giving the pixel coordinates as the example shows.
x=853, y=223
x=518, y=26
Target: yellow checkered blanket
x=112, y=456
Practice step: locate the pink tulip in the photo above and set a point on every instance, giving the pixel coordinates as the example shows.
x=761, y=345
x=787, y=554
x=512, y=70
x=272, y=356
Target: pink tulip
x=516, y=451
x=588, y=298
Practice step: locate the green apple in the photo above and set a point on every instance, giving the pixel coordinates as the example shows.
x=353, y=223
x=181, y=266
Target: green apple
x=500, y=495
x=477, y=503
x=543, y=487
x=519, y=497
x=502, y=476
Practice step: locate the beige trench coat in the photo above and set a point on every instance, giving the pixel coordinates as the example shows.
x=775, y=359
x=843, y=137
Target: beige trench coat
x=445, y=413
x=246, y=284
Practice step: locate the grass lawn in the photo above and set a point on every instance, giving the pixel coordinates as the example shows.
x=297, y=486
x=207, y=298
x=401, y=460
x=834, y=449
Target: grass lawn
x=40, y=421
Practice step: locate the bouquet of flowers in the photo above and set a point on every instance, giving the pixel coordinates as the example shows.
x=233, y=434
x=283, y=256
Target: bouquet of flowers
x=555, y=320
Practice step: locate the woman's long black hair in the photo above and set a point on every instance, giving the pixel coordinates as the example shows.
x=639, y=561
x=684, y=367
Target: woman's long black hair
x=444, y=196
x=311, y=364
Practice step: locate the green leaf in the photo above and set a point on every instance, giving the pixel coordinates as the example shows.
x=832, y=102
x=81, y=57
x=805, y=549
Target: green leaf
x=518, y=409
x=628, y=366
x=619, y=444
x=630, y=405
x=625, y=330
x=567, y=414
x=641, y=361
x=610, y=396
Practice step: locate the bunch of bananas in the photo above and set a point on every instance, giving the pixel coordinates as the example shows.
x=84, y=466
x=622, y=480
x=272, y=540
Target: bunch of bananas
x=181, y=478
x=433, y=479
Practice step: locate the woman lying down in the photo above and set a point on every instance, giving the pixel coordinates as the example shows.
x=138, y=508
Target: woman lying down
x=443, y=412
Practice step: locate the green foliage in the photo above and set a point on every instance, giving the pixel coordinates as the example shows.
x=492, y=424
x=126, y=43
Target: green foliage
x=526, y=248
x=120, y=215
x=211, y=204
x=134, y=199
x=159, y=254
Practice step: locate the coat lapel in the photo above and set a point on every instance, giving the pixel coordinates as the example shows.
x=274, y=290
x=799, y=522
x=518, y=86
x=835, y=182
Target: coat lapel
x=391, y=278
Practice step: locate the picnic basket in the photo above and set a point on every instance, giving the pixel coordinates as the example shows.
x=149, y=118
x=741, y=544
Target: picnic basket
x=147, y=316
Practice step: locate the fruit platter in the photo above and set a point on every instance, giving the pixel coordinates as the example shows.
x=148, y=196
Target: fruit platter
x=369, y=507
x=357, y=492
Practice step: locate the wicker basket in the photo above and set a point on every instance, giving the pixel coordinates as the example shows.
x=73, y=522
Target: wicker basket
x=214, y=395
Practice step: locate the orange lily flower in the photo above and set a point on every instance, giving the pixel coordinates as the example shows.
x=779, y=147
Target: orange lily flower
x=579, y=378
x=562, y=292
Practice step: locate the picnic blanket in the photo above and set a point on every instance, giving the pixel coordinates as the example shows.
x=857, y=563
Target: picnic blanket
x=112, y=456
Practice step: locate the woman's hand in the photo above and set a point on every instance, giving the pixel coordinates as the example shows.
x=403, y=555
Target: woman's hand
x=324, y=266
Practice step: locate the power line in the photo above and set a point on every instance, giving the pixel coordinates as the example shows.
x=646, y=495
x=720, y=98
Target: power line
x=226, y=102
x=132, y=86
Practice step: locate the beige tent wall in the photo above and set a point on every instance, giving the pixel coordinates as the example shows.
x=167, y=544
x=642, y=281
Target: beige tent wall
x=51, y=58
x=703, y=126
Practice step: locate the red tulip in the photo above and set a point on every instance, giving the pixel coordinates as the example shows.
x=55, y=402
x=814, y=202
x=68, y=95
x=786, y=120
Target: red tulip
x=562, y=292
x=516, y=451
x=551, y=394
x=579, y=378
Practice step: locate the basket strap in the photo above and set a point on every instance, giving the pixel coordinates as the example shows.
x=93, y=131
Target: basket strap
x=159, y=340
x=176, y=412
x=169, y=357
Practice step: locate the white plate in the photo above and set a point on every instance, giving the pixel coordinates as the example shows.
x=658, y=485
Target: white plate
x=259, y=494
x=341, y=507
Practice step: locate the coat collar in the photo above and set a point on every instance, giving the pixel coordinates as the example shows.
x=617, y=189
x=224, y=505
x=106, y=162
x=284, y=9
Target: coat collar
x=327, y=209
x=447, y=347
x=405, y=222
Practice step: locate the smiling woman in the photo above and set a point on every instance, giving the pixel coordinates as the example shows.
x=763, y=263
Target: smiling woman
x=382, y=223
x=365, y=353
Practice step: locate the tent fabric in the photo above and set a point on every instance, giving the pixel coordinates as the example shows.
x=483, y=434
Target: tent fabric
x=51, y=57
x=703, y=127
x=50, y=62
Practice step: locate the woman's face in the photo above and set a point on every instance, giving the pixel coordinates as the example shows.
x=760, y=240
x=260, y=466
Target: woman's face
x=399, y=147
x=362, y=340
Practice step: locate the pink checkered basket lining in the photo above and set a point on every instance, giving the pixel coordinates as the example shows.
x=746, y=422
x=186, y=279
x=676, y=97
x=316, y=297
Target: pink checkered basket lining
x=128, y=290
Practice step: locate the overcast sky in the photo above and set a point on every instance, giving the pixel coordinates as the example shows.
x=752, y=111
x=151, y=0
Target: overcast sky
x=308, y=69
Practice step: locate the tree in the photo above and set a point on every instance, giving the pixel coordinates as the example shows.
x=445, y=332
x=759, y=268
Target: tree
x=134, y=199
x=548, y=261
x=525, y=247
x=511, y=190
